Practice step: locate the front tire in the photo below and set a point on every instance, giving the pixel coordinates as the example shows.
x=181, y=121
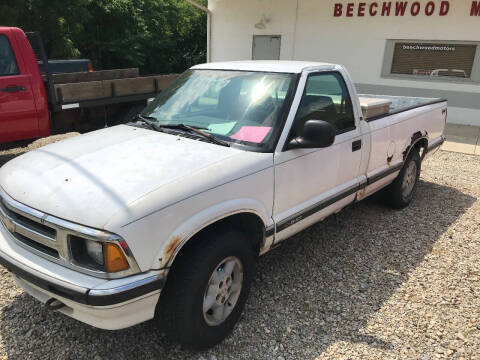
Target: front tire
x=207, y=289
x=402, y=191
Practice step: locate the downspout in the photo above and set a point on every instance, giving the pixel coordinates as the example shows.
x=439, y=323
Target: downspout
x=294, y=47
x=209, y=26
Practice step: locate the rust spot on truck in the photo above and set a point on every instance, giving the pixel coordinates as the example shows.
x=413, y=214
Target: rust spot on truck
x=361, y=194
x=172, y=245
x=389, y=160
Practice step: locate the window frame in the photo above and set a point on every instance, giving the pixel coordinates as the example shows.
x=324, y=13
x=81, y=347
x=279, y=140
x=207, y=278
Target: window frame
x=316, y=73
x=14, y=58
x=386, y=71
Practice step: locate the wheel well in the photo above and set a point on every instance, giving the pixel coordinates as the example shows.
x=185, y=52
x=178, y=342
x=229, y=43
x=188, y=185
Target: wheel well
x=420, y=143
x=250, y=224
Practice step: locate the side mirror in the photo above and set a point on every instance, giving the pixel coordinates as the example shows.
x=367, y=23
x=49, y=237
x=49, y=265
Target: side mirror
x=316, y=134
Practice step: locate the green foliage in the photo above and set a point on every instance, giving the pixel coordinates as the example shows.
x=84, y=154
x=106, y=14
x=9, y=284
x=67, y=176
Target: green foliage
x=158, y=36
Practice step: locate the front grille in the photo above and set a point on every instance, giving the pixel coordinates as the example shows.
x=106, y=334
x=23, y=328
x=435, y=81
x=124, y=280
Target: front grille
x=35, y=226
x=36, y=245
x=29, y=223
x=29, y=230
x=47, y=236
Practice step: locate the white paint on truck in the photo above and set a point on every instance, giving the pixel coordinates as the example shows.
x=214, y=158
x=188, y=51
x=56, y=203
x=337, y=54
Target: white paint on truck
x=152, y=192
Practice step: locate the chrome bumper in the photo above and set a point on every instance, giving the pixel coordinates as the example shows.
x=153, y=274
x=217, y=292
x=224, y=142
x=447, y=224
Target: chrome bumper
x=82, y=295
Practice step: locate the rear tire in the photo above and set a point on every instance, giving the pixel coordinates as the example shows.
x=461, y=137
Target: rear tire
x=402, y=191
x=201, y=303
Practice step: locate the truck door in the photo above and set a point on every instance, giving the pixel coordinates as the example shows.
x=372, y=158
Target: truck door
x=18, y=115
x=313, y=183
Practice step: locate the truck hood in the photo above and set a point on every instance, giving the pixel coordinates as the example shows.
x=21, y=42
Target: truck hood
x=91, y=178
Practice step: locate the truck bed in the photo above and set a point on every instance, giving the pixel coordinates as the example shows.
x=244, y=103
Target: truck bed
x=400, y=103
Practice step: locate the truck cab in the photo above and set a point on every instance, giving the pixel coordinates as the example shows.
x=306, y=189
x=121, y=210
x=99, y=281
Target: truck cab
x=23, y=102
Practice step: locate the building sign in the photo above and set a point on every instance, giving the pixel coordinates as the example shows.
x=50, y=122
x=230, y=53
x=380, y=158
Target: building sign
x=398, y=8
x=428, y=47
x=475, y=9
x=456, y=60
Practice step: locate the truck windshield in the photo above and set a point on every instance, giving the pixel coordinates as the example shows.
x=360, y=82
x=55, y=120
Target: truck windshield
x=234, y=106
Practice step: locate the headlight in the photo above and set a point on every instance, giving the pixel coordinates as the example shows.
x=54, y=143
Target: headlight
x=101, y=256
x=95, y=251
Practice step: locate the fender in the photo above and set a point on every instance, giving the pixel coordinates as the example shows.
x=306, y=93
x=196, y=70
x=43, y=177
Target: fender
x=178, y=238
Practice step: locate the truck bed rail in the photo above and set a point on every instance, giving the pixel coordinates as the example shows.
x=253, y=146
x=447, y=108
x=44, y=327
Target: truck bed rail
x=105, y=92
x=401, y=103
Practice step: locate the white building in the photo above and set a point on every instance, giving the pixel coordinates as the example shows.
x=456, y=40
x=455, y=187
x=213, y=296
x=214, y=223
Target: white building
x=417, y=48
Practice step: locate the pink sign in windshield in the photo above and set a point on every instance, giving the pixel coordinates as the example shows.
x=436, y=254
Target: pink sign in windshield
x=255, y=134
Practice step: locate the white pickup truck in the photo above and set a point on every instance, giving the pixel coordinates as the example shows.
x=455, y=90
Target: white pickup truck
x=165, y=217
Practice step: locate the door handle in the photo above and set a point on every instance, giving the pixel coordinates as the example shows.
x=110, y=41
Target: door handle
x=12, y=89
x=356, y=145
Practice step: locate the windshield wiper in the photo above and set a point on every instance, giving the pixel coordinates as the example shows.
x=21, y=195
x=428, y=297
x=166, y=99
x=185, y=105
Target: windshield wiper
x=195, y=129
x=150, y=121
x=144, y=117
x=181, y=126
x=146, y=120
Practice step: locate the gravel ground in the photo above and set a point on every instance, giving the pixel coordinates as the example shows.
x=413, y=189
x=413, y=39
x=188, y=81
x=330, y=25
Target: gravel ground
x=369, y=283
x=9, y=151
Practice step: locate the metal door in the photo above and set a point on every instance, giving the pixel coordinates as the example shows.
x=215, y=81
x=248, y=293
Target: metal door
x=266, y=47
x=18, y=115
x=311, y=184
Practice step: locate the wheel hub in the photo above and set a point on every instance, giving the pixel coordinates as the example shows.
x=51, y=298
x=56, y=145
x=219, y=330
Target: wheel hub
x=222, y=291
x=409, y=179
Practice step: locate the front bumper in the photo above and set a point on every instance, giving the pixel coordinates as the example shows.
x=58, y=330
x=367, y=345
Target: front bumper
x=80, y=294
x=112, y=317
x=108, y=304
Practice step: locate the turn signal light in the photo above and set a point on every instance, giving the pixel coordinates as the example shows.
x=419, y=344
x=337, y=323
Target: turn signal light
x=115, y=260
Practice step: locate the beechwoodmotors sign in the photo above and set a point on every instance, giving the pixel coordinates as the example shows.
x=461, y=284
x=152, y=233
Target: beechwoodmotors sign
x=398, y=8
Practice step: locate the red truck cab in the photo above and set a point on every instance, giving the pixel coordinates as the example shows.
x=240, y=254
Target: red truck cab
x=24, y=112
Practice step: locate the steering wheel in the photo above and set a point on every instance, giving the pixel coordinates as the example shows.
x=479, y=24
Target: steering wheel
x=259, y=112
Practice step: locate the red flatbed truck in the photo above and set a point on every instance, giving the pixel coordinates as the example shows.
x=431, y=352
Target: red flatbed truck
x=35, y=104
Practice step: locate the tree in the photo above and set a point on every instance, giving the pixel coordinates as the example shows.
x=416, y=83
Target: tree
x=158, y=36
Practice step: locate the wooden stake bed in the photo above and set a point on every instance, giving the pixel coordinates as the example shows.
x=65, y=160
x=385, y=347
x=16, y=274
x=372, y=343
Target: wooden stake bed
x=106, y=87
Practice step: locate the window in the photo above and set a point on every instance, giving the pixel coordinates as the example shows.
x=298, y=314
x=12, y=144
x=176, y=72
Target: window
x=235, y=106
x=431, y=60
x=8, y=65
x=326, y=98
